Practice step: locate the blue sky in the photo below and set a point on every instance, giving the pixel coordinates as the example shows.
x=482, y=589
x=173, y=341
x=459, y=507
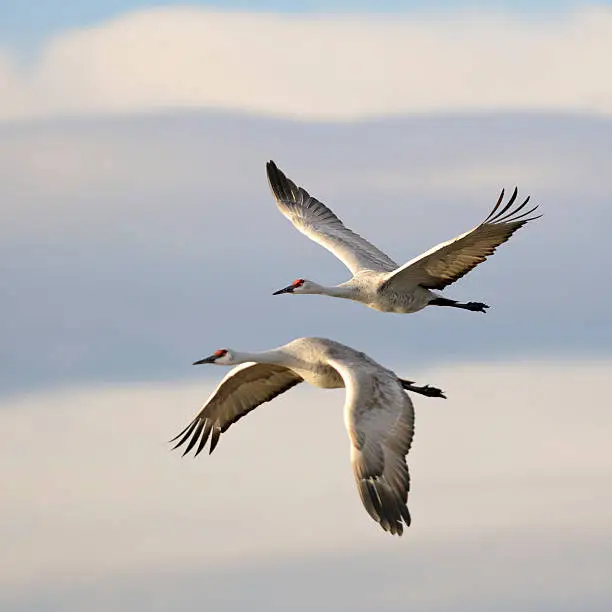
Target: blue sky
x=120, y=219
x=423, y=121
x=24, y=25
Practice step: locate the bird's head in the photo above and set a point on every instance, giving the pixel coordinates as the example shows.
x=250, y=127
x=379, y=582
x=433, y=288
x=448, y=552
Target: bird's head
x=220, y=357
x=299, y=285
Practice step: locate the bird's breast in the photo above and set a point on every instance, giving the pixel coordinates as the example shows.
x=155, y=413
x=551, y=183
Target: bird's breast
x=324, y=377
x=401, y=302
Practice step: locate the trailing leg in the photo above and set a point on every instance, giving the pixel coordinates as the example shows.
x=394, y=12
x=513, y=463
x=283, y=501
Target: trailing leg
x=425, y=390
x=473, y=306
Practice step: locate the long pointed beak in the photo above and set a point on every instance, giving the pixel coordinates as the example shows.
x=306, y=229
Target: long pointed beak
x=288, y=289
x=210, y=359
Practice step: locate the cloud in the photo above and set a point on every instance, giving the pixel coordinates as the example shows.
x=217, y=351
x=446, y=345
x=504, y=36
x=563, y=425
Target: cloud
x=317, y=67
x=506, y=473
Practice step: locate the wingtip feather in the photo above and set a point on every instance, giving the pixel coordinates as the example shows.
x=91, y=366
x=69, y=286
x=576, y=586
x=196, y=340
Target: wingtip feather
x=508, y=214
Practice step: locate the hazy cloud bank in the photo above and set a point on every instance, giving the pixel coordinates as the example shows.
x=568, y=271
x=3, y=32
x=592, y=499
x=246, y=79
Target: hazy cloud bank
x=316, y=67
x=509, y=498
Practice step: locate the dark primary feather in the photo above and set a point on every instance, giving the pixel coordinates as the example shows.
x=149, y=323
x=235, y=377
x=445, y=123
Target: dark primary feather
x=381, y=427
x=297, y=199
x=495, y=222
x=448, y=262
x=382, y=475
x=241, y=391
x=319, y=223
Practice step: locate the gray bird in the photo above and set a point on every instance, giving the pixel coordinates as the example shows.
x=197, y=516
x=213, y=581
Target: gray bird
x=378, y=414
x=378, y=281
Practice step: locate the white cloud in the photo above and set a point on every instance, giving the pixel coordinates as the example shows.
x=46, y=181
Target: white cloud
x=92, y=492
x=317, y=67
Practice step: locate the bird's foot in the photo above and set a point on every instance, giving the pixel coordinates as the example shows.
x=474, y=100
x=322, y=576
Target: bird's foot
x=426, y=390
x=476, y=306
x=429, y=391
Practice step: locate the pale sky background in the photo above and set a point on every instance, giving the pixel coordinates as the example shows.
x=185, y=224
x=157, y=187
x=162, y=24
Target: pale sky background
x=138, y=234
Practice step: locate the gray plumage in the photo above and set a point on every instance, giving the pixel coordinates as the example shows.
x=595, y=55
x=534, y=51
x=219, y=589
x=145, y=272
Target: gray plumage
x=378, y=281
x=378, y=413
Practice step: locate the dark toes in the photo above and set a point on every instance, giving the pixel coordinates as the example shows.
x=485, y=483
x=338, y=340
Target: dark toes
x=433, y=391
x=477, y=306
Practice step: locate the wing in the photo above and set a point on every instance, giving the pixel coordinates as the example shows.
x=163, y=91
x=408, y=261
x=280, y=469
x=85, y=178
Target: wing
x=380, y=420
x=449, y=261
x=243, y=389
x=320, y=224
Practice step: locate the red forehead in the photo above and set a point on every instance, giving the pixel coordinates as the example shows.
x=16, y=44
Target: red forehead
x=297, y=281
x=220, y=352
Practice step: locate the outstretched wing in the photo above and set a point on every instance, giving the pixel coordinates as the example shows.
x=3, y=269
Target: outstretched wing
x=379, y=417
x=243, y=389
x=320, y=224
x=449, y=261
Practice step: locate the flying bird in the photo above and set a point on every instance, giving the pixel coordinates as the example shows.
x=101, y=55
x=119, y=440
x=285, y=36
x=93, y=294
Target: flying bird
x=378, y=281
x=378, y=414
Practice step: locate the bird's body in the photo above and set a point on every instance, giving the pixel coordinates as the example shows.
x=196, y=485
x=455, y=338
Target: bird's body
x=378, y=414
x=368, y=287
x=309, y=359
x=378, y=281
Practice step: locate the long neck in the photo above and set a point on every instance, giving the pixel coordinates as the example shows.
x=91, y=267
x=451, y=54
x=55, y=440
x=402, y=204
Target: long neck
x=274, y=356
x=345, y=290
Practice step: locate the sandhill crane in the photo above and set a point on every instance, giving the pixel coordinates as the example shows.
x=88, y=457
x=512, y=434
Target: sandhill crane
x=378, y=282
x=378, y=414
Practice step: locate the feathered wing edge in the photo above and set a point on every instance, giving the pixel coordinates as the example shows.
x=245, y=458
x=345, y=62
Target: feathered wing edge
x=449, y=261
x=211, y=422
x=319, y=223
x=380, y=442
